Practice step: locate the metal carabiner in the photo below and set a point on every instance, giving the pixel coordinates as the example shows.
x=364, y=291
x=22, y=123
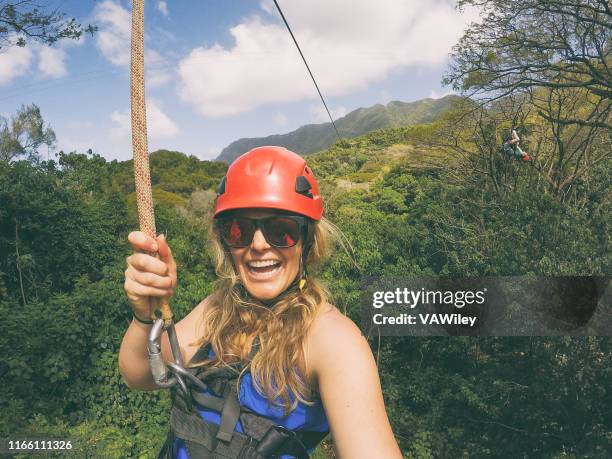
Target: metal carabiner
x=159, y=369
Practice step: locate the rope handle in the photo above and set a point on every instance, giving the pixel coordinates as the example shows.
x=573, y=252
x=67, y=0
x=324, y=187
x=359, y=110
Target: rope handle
x=142, y=174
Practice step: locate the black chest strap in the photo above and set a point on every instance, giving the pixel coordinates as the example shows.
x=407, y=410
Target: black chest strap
x=202, y=442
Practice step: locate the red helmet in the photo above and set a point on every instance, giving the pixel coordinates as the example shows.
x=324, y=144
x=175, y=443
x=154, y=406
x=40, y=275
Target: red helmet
x=270, y=178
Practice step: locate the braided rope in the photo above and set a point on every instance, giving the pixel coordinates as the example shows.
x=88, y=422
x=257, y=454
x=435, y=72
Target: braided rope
x=144, y=196
x=142, y=175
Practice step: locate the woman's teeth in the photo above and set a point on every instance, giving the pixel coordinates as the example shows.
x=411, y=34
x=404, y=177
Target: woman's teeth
x=263, y=266
x=262, y=263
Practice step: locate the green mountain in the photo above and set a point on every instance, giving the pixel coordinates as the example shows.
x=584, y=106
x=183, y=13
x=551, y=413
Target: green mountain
x=316, y=137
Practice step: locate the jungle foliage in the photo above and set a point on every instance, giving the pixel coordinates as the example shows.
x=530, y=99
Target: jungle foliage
x=24, y=134
x=408, y=206
x=432, y=199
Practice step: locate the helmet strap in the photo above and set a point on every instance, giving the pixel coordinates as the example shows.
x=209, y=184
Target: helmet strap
x=308, y=242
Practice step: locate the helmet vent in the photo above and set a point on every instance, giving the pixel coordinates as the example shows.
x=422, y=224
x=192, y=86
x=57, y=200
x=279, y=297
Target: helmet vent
x=303, y=186
x=261, y=167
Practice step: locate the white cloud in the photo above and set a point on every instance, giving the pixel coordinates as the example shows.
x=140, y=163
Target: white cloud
x=153, y=58
x=212, y=152
x=51, y=62
x=158, y=77
x=159, y=125
x=162, y=6
x=268, y=6
x=338, y=112
x=348, y=43
x=14, y=62
x=157, y=69
x=434, y=94
x=319, y=115
x=385, y=97
x=121, y=128
x=113, y=36
x=280, y=119
x=114, y=40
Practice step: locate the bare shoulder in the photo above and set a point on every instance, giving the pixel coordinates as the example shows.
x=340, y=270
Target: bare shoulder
x=331, y=323
x=334, y=336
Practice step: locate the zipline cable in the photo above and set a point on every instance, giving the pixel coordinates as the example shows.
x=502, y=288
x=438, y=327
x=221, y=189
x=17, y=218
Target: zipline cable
x=308, y=68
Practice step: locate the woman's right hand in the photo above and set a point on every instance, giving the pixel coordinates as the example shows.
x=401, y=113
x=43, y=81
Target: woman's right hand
x=147, y=276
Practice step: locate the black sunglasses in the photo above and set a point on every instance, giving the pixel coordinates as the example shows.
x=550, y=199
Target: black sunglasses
x=280, y=231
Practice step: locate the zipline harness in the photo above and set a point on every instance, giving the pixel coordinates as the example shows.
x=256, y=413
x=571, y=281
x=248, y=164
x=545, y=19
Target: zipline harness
x=261, y=437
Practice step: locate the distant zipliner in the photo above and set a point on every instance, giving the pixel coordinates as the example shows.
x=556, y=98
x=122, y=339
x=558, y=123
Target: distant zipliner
x=511, y=148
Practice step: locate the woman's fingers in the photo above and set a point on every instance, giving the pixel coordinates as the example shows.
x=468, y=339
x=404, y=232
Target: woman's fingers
x=165, y=254
x=162, y=248
x=143, y=284
x=140, y=241
x=164, y=251
x=147, y=275
x=148, y=278
x=136, y=290
x=148, y=263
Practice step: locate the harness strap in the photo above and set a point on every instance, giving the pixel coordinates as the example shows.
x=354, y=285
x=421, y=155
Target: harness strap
x=311, y=438
x=208, y=401
x=280, y=439
x=254, y=425
x=200, y=436
x=166, y=450
x=201, y=439
x=229, y=414
x=189, y=428
x=273, y=438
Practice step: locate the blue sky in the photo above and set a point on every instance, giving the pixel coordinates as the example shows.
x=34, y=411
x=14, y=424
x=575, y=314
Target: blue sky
x=219, y=70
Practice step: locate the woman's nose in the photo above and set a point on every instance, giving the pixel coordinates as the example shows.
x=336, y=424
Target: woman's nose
x=259, y=241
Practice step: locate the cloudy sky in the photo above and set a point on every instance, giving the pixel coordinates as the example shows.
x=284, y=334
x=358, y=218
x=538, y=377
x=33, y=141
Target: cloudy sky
x=219, y=70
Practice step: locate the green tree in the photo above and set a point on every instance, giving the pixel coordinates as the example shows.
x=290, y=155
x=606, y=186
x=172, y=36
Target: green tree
x=544, y=66
x=25, y=134
x=26, y=20
x=525, y=44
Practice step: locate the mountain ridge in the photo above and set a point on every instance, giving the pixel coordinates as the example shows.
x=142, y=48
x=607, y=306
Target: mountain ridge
x=312, y=138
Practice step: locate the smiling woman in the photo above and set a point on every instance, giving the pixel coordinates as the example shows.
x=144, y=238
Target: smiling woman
x=266, y=250
x=278, y=365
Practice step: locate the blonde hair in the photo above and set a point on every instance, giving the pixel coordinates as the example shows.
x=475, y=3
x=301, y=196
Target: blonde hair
x=232, y=318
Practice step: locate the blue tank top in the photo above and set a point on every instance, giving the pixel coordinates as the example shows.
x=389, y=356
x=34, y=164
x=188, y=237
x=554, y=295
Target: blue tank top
x=303, y=417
